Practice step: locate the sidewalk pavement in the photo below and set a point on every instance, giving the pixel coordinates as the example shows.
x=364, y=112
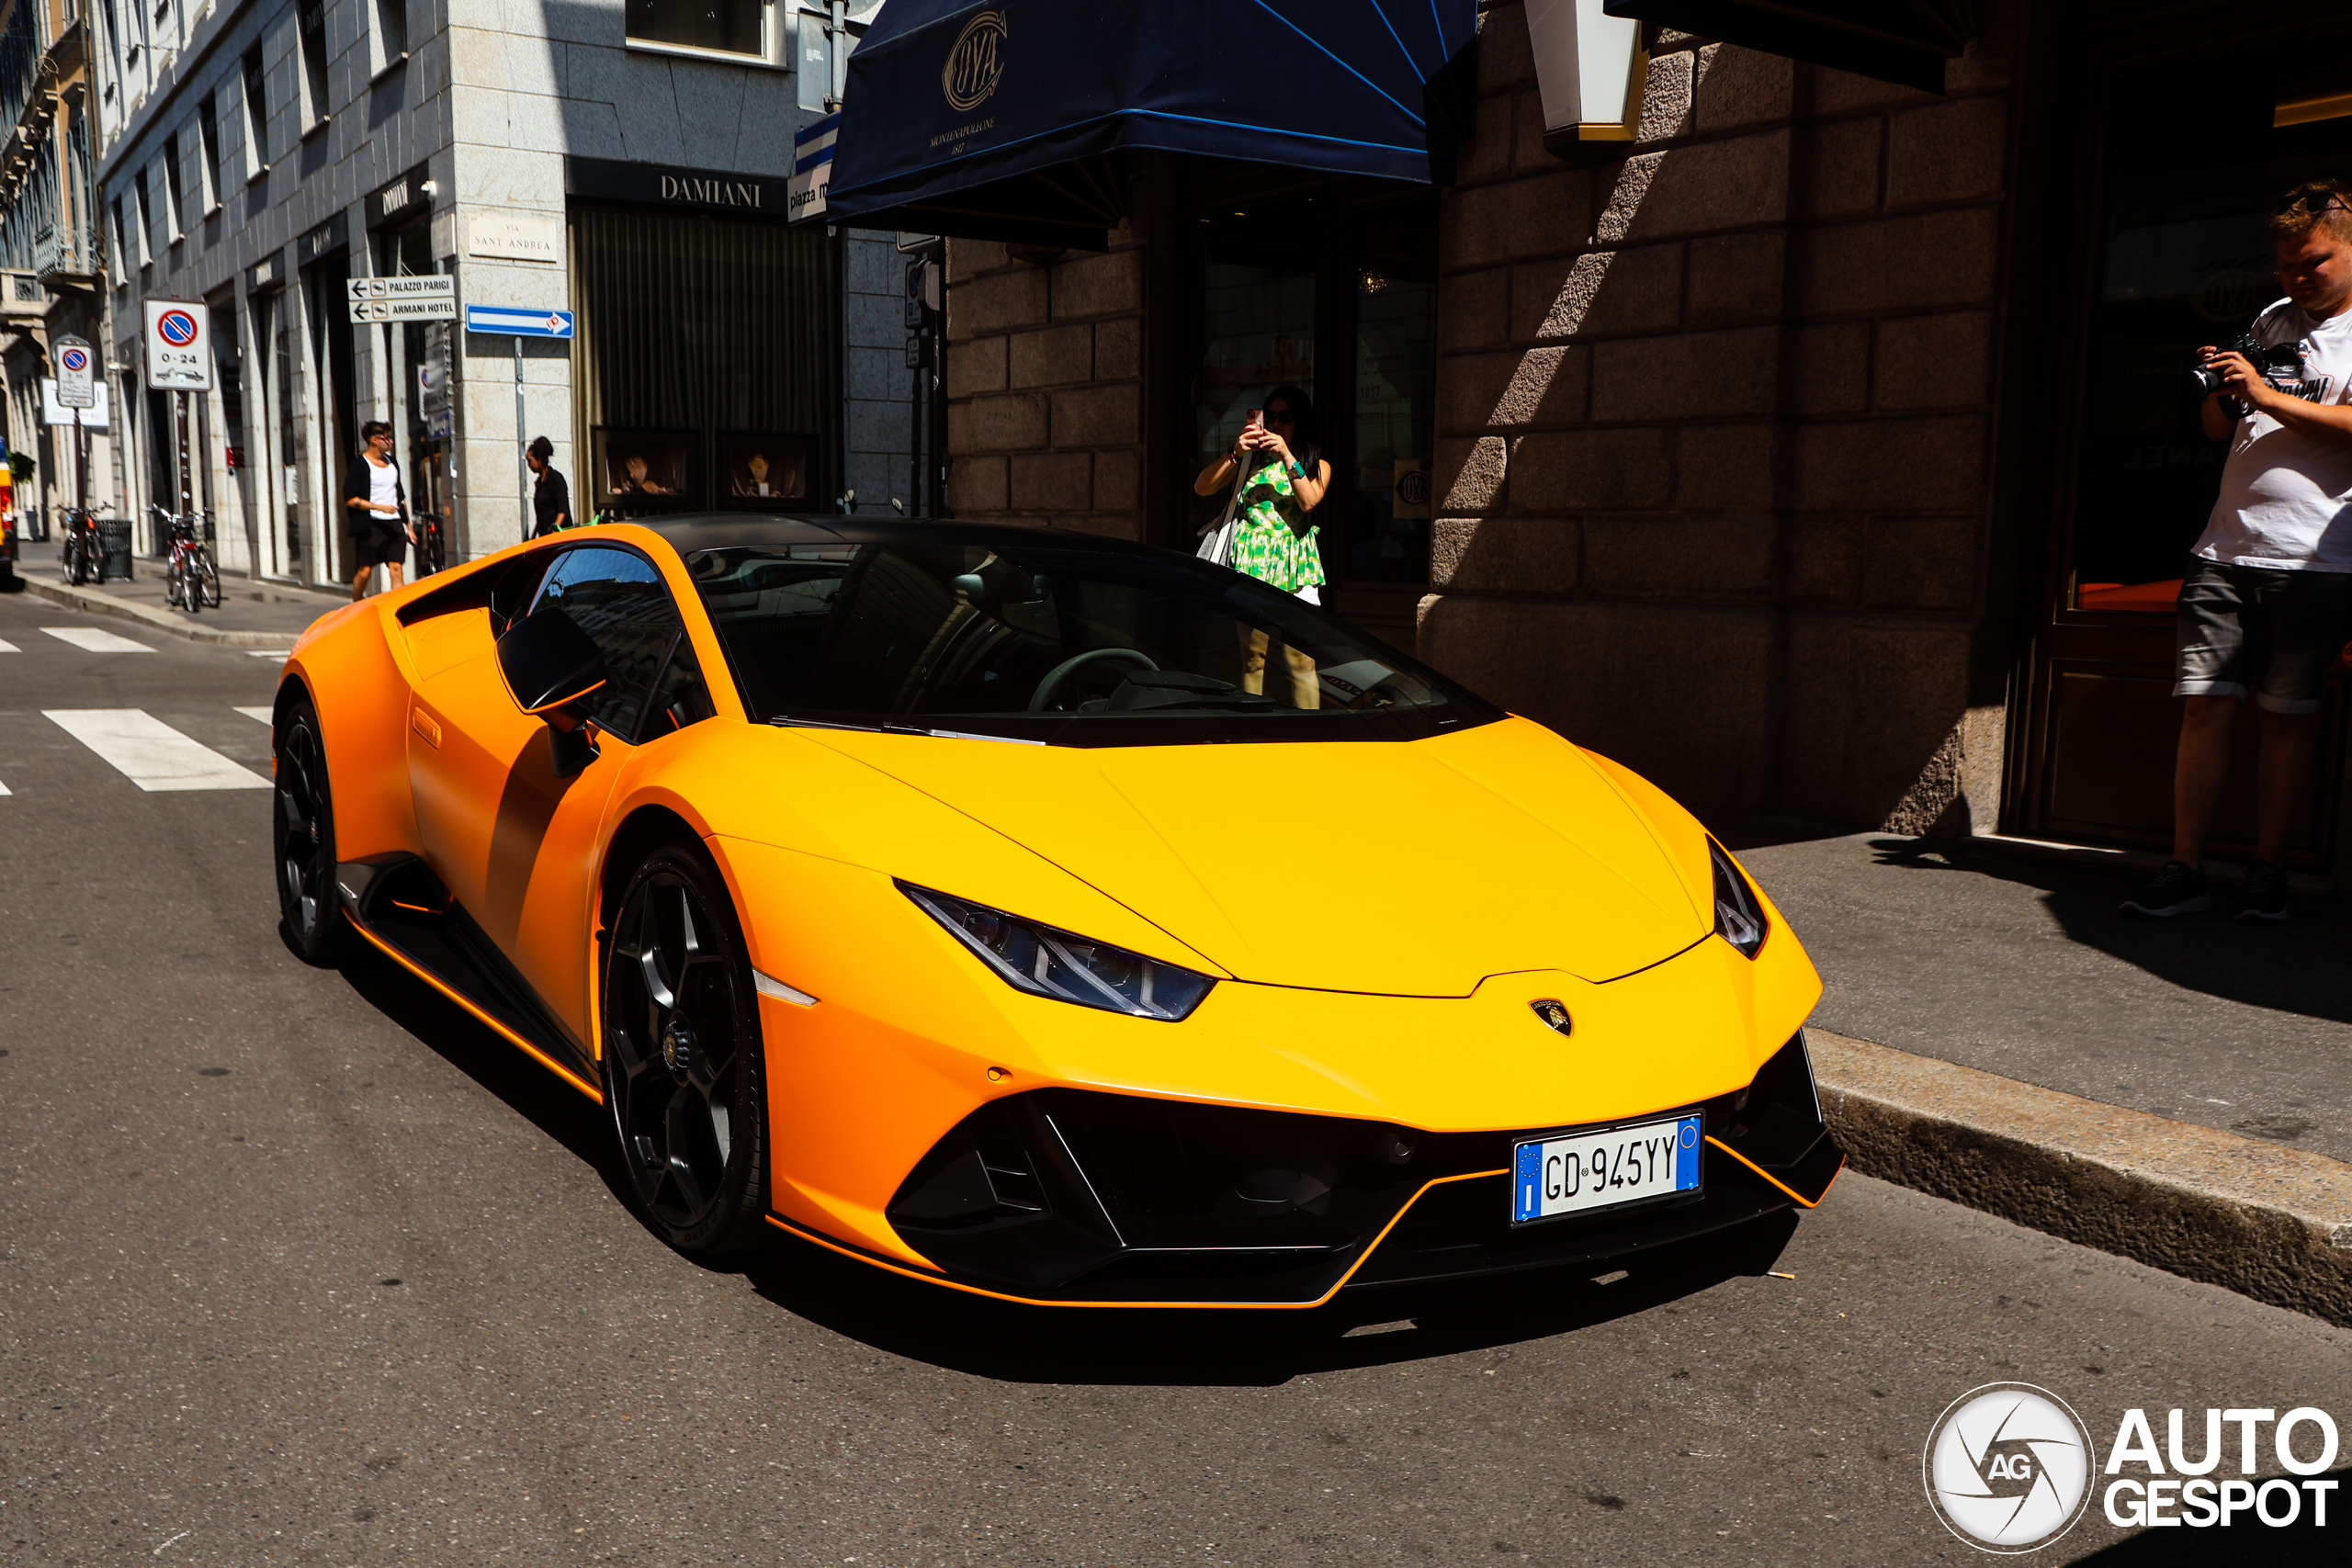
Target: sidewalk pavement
x=1992, y=1032
x=253, y=613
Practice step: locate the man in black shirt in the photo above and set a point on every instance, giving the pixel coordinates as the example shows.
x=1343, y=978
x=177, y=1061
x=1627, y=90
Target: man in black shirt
x=551, y=497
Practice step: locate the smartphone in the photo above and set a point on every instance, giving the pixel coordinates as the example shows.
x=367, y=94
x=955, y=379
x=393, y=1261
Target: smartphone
x=1256, y=417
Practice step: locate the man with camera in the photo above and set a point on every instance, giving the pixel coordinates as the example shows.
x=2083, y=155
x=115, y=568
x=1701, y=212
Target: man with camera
x=2267, y=600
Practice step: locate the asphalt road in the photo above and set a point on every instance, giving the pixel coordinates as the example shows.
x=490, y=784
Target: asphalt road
x=300, y=1267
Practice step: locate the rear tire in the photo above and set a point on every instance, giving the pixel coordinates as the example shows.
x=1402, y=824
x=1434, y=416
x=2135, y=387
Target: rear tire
x=176, y=584
x=302, y=839
x=207, y=576
x=684, y=1071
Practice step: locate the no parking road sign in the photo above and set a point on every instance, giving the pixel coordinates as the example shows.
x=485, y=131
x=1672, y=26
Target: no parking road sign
x=76, y=374
x=179, y=358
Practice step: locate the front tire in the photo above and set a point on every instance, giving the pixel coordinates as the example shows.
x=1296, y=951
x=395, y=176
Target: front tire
x=206, y=577
x=302, y=839
x=684, y=1073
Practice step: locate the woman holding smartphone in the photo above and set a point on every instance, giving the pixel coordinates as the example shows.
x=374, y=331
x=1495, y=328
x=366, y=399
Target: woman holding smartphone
x=1282, y=477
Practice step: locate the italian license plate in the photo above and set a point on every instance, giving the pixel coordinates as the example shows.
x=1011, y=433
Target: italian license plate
x=1579, y=1172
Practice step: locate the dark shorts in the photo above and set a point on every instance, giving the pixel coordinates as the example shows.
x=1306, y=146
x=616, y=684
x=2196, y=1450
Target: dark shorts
x=379, y=546
x=2258, y=630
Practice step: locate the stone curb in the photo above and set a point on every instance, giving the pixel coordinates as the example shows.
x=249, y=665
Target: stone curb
x=2267, y=1220
x=91, y=602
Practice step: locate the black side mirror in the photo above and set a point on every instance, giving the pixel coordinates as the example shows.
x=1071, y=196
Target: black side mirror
x=549, y=663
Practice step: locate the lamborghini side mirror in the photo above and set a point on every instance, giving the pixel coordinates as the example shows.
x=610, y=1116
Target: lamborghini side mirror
x=549, y=664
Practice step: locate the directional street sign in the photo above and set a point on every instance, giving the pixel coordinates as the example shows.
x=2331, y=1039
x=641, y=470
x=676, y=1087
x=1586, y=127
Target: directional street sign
x=76, y=380
x=178, y=357
x=518, y=320
x=404, y=299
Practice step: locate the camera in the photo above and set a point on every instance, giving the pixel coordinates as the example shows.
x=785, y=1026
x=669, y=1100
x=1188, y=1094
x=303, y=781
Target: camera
x=2281, y=367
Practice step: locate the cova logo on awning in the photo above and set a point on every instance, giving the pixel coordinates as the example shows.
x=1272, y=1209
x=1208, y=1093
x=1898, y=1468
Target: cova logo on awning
x=976, y=63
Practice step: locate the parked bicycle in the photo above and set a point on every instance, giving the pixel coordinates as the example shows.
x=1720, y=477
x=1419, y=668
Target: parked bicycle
x=190, y=580
x=432, y=545
x=82, y=552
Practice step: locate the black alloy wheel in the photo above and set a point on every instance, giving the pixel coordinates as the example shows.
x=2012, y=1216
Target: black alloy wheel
x=684, y=1077
x=302, y=839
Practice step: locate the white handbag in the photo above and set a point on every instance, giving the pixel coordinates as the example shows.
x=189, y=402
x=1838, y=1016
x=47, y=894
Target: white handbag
x=1216, y=540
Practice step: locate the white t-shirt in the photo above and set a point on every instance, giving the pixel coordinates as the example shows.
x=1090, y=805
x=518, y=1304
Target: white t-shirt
x=2286, y=500
x=383, y=489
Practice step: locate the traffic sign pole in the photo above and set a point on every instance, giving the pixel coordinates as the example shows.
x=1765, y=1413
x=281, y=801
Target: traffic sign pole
x=520, y=321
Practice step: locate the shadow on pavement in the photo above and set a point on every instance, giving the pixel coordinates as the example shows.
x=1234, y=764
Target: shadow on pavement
x=2299, y=1545
x=2291, y=968
x=546, y=1101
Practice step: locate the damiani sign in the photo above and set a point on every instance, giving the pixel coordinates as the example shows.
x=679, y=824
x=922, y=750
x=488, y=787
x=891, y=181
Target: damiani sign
x=710, y=192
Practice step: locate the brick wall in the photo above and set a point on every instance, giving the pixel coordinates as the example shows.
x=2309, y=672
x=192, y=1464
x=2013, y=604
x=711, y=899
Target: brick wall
x=1715, y=418
x=1045, y=386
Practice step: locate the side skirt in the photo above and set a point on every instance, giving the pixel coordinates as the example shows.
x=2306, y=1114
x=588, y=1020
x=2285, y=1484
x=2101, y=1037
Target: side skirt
x=401, y=908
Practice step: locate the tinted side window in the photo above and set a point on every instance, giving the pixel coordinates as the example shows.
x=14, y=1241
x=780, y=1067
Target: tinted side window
x=679, y=698
x=616, y=597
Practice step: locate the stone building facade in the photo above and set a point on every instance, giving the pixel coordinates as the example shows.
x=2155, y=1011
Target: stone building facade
x=1718, y=456
x=1803, y=450
x=258, y=157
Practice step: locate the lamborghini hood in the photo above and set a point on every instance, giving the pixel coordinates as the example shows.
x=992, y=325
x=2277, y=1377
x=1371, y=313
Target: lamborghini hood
x=1405, y=869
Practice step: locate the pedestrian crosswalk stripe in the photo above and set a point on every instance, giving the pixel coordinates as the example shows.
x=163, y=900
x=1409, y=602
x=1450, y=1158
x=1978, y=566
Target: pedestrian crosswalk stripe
x=263, y=716
x=8, y=647
x=93, y=639
x=3, y=789
x=267, y=652
x=151, y=753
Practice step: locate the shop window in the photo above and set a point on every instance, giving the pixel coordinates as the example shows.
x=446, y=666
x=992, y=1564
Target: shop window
x=727, y=26
x=703, y=342
x=1330, y=289
x=1388, y=528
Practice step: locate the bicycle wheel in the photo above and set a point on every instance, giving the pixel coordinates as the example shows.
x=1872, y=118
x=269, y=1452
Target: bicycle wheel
x=78, y=559
x=175, y=582
x=209, y=575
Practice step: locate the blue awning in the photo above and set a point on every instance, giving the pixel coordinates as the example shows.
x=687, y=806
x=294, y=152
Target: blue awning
x=1003, y=119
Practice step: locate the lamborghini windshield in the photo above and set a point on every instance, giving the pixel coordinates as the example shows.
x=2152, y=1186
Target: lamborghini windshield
x=985, y=632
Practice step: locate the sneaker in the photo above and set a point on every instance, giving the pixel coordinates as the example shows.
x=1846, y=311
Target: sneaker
x=2178, y=889
x=2266, y=894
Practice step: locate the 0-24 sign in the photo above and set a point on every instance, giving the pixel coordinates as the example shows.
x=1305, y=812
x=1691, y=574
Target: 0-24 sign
x=179, y=352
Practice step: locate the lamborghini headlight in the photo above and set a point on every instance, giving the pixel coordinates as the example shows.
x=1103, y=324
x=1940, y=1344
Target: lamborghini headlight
x=1739, y=914
x=1047, y=962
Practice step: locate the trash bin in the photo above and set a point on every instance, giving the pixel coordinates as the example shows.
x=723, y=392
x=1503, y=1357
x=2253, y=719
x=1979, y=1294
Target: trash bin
x=114, y=546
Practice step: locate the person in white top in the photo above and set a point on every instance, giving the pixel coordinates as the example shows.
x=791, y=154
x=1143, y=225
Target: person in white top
x=2267, y=602
x=378, y=508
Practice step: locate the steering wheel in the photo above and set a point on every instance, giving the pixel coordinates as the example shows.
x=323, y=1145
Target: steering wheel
x=1052, y=685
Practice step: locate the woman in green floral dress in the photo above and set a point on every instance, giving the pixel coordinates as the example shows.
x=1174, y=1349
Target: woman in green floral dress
x=1283, y=478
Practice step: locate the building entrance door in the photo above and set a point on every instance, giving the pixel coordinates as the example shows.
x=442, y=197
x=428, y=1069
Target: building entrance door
x=1328, y=287
x=2191, y=164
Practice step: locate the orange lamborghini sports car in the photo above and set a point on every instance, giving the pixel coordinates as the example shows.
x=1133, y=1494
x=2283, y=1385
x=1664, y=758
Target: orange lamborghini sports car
x=1045, y=916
